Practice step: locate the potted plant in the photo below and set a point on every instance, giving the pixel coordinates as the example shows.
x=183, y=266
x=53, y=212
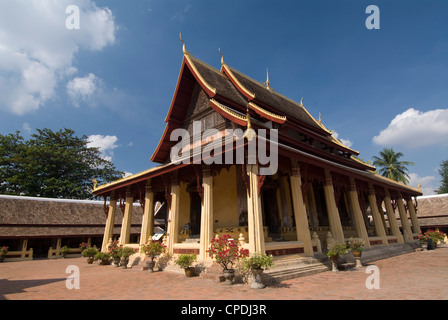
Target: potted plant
x=83, y=246
x=124, y=253
x=113, y=251
x=423, y=239
x=356, y=246
x=226, y=252
x=436, y=236
x=3, y=252
x=152, y=249
x=256, y=264
x=104, y=257
x=64, y=251
x=334, y=251
x=90, y=253
x=185, y=261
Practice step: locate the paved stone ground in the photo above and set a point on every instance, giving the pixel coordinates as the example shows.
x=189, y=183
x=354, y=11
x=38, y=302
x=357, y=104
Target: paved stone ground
x=417, y=275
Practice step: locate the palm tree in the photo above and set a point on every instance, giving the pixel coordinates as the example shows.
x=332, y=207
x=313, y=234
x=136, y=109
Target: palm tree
x=390, y=167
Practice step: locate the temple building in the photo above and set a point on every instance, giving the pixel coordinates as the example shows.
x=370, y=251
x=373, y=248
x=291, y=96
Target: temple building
x=238, y=158
x=36, y=228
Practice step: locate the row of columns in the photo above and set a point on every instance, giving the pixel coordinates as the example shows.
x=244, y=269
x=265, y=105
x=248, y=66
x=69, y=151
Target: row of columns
x=147, y=228
x=255, y=221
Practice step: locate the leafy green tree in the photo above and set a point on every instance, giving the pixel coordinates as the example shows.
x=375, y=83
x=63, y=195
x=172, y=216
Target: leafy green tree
x=52, y=164
x=391, y=167
x=443, y=170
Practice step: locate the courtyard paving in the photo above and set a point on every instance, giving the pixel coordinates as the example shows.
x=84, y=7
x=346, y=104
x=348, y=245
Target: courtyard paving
x=417, y=275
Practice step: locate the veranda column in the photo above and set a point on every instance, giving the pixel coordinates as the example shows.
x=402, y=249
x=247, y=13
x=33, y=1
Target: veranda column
x=357, y=213
x=407, y=232
x=173, y=224
x=333, y=212
x=413, y=215
x=302, y=226
x=254, y=214
x=148, y=215
x=109, y=229
x=125, y=235
x=392, y=219
x=378, y=222
x=206, y=214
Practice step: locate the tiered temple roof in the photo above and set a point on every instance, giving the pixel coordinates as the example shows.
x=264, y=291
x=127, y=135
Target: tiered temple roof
x=238, y=98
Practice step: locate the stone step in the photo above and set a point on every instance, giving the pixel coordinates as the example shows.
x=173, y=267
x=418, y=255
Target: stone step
x=294, y=266
x=274, y=277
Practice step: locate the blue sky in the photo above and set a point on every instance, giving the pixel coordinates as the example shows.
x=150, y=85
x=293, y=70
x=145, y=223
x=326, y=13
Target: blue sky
x=113, y=78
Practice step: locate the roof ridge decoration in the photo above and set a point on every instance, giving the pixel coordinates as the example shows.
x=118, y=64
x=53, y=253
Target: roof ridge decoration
x=267, y=114
x=228, y=113
x=211, y=90
x=279, y=94
x=226, y=70
x=184, y=50
x=268, y=83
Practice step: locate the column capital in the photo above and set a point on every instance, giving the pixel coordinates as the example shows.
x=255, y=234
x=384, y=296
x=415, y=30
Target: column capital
x=352, y=184
x=295, y=172
x=328, y=177
x=206, y=172
x=128, y=192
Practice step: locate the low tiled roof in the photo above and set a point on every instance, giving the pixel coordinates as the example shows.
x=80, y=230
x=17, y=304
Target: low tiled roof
x=34, y=217
x=432, y=211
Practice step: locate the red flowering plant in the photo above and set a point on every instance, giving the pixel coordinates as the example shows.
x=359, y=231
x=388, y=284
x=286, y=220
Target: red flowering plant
x=435, y=235
x=226, y=251
x=3, y=250
x=153, y=249
x=423, y=237
x=113, y=249
x=83, y=246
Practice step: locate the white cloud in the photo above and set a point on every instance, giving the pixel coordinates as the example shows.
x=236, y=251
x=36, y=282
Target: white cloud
x=428, y=183
x=106, y=144
x=26, y=127
x=345, y=142
x=414, y=128
x=83, y=89
x=37, y=50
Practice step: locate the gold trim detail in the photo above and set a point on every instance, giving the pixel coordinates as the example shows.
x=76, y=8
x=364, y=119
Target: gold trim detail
x=234, y=79
x=209, y=87
x=228, y=111
x=273, y=115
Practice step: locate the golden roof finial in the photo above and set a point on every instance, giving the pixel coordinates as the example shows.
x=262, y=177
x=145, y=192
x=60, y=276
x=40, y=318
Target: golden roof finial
x=320, y=120
x=184, y=50
x=249, y=134
x=301, y=101
x=419, y=187
x=268, y=84
x=222, y=57
x=95, y=183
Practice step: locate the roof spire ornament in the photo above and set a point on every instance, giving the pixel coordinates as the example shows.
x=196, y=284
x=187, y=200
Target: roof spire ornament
x=320, y=120
x=222, y=57
x=184, y=50
x=249, y=134
x=268, y=84
x=301, y=102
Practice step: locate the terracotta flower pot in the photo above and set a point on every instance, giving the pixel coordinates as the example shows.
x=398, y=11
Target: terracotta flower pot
x=257, y=280
x=357, y=254
x=189, y=271
x=150, y=265
x=229, y=275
